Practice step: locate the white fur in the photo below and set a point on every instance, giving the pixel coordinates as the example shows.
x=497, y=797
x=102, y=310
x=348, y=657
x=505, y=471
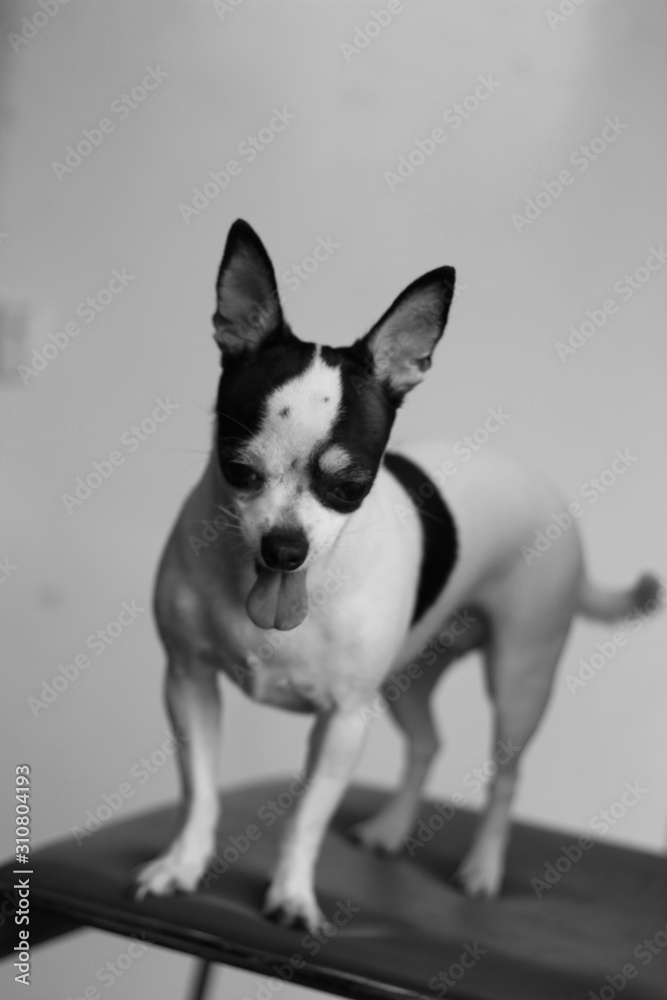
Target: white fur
x=282, y=450
x=362, y=576
x=336, y=661
x=335, y=459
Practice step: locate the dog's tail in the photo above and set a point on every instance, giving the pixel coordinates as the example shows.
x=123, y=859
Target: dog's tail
x=608, y=605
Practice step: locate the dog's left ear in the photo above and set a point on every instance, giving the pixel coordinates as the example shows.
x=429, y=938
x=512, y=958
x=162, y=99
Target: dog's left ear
x=248, y=306
x=402, y=341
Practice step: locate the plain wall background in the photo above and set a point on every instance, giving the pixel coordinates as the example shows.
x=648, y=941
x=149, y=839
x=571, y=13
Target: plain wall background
x=321, y=177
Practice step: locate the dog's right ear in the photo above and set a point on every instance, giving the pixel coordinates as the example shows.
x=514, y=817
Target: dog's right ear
x=401, y=343
x=248, y=306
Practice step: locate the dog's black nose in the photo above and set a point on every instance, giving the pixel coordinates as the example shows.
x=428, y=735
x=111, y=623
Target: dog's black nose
x=284, y=549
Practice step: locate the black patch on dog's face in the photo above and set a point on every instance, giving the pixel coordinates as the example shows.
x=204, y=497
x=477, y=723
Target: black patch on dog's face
x=249, y=379
x=367, y=414
x=361, y=428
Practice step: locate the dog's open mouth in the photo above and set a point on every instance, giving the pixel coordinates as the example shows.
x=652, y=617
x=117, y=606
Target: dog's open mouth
x=278, y=600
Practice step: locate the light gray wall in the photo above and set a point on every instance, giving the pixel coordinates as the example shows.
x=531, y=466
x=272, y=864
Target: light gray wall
x=322, y=177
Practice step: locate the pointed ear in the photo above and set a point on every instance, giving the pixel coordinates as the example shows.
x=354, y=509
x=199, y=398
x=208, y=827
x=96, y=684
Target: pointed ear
x=248, y=306
x=402, y=341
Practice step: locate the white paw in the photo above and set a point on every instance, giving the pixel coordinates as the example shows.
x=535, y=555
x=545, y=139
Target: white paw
x=294, y=909
x=384, y=833
x=480, y=875
x=179, y=870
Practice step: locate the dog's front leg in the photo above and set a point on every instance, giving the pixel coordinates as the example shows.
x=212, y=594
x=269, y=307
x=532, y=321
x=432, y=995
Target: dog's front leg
x=193, y=703
x=335, y=744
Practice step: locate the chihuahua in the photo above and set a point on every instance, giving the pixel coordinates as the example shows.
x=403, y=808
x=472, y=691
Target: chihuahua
x=349, y=561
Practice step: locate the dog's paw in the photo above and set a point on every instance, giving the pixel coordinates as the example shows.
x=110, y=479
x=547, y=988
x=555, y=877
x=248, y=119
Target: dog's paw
x=480, y=876
x=297, y=910
x=175, y=871
x=383, y=834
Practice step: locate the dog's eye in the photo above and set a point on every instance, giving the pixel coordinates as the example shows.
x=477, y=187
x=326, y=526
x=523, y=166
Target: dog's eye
x=241, y=475
x=350, y=492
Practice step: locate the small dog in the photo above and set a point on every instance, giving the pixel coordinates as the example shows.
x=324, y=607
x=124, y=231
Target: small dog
x=353, y=560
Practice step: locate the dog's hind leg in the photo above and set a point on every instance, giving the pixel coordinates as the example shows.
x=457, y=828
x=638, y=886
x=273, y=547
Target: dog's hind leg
x=386, y=832
x=193, y=703
x=520, y=671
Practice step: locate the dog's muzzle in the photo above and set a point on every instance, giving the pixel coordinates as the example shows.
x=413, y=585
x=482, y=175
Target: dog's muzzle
x=278, y=598
x=284, y=550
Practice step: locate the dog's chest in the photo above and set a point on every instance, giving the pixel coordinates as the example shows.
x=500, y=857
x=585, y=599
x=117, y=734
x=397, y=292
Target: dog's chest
x=296, y=671
x=290, y=687
x=328, y=661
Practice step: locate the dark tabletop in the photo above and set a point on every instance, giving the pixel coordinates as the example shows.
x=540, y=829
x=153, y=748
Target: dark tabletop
x=597, y=930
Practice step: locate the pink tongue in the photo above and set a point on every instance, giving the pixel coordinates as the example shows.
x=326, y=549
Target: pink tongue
x=278, y=600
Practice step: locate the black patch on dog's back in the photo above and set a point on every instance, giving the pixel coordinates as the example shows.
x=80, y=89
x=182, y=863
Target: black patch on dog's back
x=439, y=541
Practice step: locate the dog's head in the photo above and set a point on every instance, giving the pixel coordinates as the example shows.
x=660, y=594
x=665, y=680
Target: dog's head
x=301, y=429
